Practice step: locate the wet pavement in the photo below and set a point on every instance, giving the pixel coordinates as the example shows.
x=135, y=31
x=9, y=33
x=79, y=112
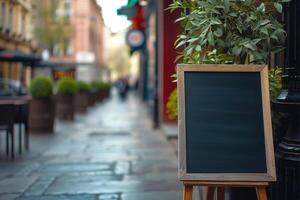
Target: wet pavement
x=109, y=153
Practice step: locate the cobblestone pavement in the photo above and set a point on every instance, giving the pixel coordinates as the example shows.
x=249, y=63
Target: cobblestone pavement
x=110, y=153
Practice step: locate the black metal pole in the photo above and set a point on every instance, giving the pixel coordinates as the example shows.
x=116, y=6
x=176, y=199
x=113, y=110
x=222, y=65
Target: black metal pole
x=288, y=150
x=156, y=123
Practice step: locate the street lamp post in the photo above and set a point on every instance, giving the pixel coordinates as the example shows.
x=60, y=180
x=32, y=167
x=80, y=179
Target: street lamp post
x=288, y=151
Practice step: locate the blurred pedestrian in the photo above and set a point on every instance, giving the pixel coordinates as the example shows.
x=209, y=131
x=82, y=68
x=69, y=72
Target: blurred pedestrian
x=123, y=88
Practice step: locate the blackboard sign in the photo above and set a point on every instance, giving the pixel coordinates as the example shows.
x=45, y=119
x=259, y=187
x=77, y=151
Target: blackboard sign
x=224, y=118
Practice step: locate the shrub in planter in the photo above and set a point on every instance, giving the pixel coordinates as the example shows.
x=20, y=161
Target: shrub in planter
x=95, y=85
x=66, y=86
x=83, y=86
x=42, y=105
x=66, y=90
x=82, y=96
x=106, y=86
x=100, y=90
x=93, y=93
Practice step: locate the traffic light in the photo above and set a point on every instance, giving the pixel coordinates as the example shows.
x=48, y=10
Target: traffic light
x=138, y=21
x=135, y=13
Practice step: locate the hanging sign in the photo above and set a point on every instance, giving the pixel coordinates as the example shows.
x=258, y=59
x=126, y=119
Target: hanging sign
x=58, y=74
x=128, y=11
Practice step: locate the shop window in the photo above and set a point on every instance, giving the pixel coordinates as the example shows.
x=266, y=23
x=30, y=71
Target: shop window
x=1, y=71
x=23, y=25
x=57, y=50
x=3, y=17
x=67, y=10
x=11, y=19
x=67, y=47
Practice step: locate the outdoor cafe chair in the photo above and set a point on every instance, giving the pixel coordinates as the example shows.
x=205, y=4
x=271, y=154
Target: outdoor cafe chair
x=21, y=118
x=7, y=125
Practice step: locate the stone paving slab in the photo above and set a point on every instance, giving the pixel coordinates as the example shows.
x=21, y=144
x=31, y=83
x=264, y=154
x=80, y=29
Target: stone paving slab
x=16, y=184
x=8, y=196
x=75, y=167
x=152, y=195
x=61, y=197
x=109, y=153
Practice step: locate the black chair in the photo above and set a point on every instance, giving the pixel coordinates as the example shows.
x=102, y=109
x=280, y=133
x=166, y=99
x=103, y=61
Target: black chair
x=21, y=117
x=7, y=124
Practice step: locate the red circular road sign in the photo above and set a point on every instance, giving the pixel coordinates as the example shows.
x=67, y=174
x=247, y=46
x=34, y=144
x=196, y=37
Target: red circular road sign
x=135, y=38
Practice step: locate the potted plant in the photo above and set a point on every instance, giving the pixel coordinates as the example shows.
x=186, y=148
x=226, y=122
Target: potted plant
x=97, y=85
x=82, y=96
x=92, y=93
x=106, y=89
x=66, y=90
x=42, y=105
x=103, y=89
x=100, y=90
x=240, y=29
x=229, y=32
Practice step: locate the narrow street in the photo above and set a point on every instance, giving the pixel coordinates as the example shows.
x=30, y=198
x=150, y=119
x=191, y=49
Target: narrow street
x=109, y=153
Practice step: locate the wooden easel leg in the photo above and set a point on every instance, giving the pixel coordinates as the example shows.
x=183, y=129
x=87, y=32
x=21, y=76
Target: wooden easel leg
x=221, y=193
x=261, y=193
x=188, y=192
x=210, y=193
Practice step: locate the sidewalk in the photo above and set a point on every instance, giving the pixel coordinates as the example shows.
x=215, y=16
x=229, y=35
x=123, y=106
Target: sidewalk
x=110, y=153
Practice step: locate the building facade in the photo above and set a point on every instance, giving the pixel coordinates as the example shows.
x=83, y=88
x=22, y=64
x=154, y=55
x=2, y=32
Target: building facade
x=85, y=46
x=16, y=36
x=161, y=33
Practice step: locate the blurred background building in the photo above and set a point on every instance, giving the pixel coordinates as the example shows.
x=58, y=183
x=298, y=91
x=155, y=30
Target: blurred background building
x=16, y=39
x=73, y=31
x=157, y=55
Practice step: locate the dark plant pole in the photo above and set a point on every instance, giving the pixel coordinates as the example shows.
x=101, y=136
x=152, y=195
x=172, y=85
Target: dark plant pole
x=288, y=151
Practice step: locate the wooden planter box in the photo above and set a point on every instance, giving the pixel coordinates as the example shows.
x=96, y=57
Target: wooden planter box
x=91, y=98
x=101, y=95
x=81, y=102
x=41, y=115
x=65, y=107
x=97, y=97
x=106, y=93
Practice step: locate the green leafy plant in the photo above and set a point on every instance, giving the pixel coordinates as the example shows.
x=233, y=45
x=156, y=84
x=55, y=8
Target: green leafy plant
x=172, y=110
x=104, y=85
x=66, y=86
x=215, y=57
x=241, y=28
x=275, y=82
x=212, y=57
x=100, y=85
x=41, y=87
x=83, y=86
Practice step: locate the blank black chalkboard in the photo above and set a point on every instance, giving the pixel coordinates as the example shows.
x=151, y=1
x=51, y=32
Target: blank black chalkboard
x=223, y=122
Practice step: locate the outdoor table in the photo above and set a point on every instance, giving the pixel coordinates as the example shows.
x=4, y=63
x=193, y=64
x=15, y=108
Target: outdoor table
x=20, y=100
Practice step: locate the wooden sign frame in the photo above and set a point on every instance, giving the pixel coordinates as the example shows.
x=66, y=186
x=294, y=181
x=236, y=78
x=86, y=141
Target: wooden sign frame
x=269, y=150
